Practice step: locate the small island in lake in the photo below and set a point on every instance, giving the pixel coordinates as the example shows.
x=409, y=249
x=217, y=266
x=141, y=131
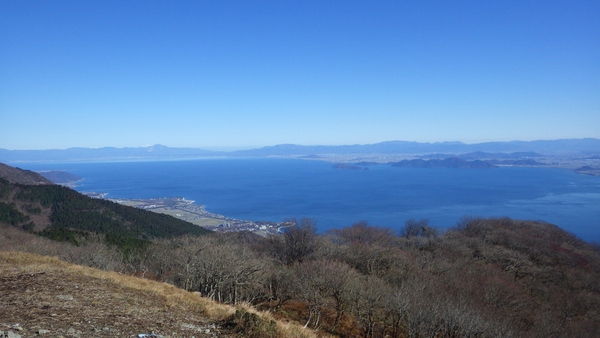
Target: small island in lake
x=348, y=166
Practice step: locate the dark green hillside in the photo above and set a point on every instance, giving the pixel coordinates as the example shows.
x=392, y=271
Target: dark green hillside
x=71, y=214
x=17, y=175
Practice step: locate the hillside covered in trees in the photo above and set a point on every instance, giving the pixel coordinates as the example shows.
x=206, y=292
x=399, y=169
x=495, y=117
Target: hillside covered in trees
x=17, y=175
x=63, y=214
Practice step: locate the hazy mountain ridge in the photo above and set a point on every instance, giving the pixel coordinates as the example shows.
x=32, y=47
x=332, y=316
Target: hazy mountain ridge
x=548, y=147
x=103, y=154
x=582, y=147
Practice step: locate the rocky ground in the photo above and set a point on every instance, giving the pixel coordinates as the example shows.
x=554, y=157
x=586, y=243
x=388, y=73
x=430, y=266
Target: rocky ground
x=41, y=299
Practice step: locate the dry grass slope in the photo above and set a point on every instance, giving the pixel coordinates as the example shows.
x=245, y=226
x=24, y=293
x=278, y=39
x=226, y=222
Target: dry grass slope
x=45, y=293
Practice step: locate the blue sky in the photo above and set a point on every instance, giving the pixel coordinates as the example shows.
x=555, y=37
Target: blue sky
x=238, y=74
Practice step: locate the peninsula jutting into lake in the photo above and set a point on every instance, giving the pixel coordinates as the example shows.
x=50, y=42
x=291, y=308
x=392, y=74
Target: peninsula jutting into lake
x=189, y=211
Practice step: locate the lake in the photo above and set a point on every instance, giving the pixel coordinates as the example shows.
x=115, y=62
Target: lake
x=276, y=189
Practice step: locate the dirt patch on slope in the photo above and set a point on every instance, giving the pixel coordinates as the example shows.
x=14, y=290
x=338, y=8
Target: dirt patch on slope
x=42, y=295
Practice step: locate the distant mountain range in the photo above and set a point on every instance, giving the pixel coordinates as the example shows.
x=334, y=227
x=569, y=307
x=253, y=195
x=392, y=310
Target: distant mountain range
x=587, y=146
x=513, y=149
x=102, y=154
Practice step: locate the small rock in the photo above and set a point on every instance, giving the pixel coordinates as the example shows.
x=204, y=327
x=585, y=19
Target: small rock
x=42, y=332
x=11, y=334
x=70, y=330
x=65, y=297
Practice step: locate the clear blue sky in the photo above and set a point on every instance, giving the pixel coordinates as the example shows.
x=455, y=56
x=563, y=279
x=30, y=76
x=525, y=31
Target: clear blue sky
x=238, y=74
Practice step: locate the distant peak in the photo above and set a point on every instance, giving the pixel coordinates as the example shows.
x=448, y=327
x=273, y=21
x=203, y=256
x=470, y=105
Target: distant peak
x=157, y=147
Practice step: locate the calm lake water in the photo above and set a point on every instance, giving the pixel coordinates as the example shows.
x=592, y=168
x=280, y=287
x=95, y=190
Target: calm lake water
x=276, y=189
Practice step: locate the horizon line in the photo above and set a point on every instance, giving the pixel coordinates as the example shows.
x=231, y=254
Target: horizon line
x=242, y=148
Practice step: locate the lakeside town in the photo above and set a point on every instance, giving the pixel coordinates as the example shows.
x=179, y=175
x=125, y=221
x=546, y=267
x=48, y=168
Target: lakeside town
x=189, y=211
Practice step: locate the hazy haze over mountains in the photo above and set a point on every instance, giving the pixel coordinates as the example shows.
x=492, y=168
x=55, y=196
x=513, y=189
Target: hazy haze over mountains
x=406, y=147
x=579, y=147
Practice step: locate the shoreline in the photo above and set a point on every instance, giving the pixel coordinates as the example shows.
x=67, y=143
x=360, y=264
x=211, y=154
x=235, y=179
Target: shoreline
x=189, y=211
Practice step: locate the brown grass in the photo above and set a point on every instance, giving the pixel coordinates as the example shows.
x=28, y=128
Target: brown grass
x=67, y=299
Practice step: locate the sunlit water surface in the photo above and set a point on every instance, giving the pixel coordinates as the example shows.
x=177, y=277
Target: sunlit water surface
x=276, y=189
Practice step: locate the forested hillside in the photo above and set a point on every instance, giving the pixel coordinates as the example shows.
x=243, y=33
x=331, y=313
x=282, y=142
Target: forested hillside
x=63, y=214
x=21, y=176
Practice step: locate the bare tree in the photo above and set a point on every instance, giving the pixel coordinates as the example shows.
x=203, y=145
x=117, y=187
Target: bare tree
x=368, y=303
x=312, y=288
x=340, y=279
x=300, y=241
x=420, y=228
x=281, y=285
x=363, y=233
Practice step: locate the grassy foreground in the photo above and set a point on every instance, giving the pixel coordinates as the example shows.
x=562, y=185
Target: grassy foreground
x=59, y=298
